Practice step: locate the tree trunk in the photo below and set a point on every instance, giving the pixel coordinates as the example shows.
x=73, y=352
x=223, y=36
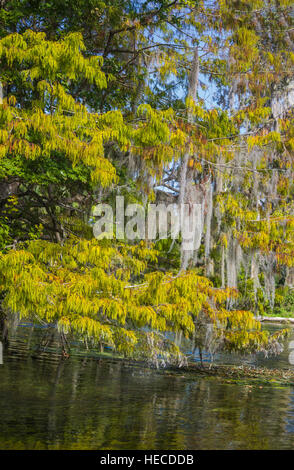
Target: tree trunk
x=186, y=255
x=289, y=281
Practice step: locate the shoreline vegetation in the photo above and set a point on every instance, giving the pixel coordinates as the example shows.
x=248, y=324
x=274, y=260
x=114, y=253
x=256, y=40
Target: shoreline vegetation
x=250, y=375
x=234, y=374
x=230, y=373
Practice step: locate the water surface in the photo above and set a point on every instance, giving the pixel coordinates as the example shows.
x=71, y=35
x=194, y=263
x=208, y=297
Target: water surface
x=87, y=403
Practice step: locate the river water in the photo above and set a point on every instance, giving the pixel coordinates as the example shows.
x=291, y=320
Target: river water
x=91, y=403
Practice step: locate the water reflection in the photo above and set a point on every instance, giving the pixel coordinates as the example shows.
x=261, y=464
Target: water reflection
x=91, y=404
x=84, y=403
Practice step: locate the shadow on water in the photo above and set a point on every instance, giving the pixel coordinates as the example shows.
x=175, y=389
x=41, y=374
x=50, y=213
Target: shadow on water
x=86, y=403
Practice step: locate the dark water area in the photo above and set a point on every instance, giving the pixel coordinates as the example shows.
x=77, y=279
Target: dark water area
x=88, y=403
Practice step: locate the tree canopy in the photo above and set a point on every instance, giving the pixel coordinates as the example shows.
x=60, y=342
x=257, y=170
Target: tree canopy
x=190, y=102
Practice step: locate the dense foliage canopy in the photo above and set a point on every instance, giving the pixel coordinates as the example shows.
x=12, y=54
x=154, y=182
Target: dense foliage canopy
x=187, y=101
